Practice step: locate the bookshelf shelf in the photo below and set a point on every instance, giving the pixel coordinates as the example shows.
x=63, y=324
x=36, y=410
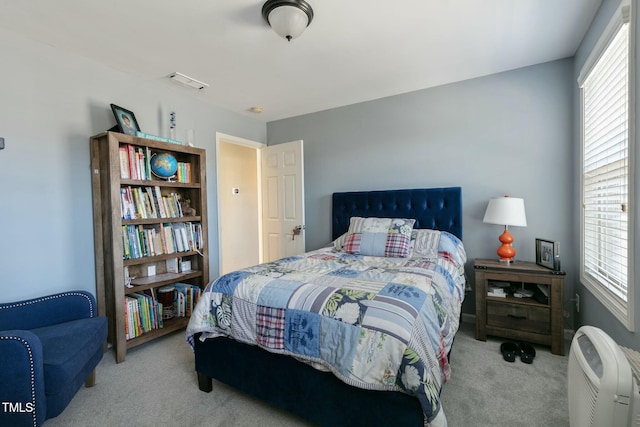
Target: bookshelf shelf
x=156, y=258
x=144, y=232
x=164, y=279
x=145, y=182
x=155, y=220
x=171, y=325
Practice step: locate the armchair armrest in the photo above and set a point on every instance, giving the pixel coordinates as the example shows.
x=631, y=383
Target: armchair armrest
x=21, y=379
x=49, y=310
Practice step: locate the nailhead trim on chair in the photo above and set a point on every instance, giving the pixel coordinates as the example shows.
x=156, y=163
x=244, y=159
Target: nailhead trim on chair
x=33, y=386
x=20, y=304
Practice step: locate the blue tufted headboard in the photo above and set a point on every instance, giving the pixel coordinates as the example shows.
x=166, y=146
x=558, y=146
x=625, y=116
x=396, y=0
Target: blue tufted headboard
x=435, y=208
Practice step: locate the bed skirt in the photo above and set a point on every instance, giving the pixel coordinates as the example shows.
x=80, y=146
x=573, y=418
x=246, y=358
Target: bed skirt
x=316, y=396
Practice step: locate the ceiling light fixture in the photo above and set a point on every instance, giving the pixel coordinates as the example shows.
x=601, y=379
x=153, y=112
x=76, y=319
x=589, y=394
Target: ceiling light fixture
x=288, y=18
x=187, y=81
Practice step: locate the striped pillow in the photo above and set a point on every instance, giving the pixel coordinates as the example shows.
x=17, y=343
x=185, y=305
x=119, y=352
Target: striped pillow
x=425, y=243
x=386, y=237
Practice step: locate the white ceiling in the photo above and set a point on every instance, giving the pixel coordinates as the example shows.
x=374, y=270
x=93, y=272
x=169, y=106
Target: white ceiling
x=353, y=51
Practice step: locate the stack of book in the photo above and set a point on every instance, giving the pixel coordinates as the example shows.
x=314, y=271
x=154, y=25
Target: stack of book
x=148, y=202
x=135, y=163
x=141, y=313
x=185, y=299
x=496, y=291
x=143, y=241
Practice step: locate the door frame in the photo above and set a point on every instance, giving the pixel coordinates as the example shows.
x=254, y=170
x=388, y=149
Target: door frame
x=222, y=137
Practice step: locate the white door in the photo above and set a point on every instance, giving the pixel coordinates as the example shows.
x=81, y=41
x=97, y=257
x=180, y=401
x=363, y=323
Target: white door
x=282, y=200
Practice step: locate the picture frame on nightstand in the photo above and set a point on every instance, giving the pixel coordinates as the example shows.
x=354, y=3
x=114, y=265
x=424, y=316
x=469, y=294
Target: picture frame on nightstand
x=548, y=254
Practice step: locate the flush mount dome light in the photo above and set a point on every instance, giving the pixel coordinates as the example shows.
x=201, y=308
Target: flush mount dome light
x=288, y=18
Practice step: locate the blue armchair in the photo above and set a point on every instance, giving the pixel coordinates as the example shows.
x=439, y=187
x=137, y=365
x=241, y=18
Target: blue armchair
x=49, y=346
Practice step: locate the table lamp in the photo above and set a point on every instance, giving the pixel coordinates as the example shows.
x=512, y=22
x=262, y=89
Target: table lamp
x=506, y=211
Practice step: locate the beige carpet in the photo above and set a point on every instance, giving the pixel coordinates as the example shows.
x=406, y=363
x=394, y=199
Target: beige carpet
x=157, y=386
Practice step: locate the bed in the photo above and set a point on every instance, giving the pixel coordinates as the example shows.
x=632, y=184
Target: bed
x=343, y=336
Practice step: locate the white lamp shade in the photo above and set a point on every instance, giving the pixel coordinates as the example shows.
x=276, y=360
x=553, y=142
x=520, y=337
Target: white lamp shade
x=506, y=211
x=288, y=21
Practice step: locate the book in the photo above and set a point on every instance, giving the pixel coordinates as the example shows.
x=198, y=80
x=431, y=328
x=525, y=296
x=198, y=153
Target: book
x=147, y=164
x=172, y=265
x=131, y=318
x=129, y=206
x=157, y=240
x=491, y=294
x=152, y=202
x=138, y=203
x=496, y=291
x=140, y=163
x=124, y=162
x=157, y=138
x=168, y=238
x=160, y=203
x=132, y=163
x=186, y=298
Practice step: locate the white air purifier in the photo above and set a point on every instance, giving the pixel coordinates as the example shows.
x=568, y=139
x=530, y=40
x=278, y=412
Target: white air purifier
x=602, y=389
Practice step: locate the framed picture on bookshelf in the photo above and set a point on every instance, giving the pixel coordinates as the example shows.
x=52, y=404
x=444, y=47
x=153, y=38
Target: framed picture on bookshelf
x=548, y=254
x=125, y=119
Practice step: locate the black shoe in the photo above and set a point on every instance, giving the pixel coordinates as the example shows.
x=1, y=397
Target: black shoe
x=527, y=352
x=509, y=351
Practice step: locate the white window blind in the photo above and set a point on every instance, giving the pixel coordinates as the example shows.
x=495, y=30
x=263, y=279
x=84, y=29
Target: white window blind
x=605, y=169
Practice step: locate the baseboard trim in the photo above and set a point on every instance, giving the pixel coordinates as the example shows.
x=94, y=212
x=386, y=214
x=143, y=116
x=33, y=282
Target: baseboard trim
x=468, y=318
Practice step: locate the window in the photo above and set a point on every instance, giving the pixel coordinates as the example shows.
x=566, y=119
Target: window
x=606, y=158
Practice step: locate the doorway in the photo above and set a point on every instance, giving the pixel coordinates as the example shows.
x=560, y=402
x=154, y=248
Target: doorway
x=239, y=201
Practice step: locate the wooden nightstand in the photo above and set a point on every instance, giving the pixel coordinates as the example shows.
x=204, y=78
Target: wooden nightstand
x=532, y=319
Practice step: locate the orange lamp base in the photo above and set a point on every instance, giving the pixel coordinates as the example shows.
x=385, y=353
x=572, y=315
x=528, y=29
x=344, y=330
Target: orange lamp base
x=506, y=252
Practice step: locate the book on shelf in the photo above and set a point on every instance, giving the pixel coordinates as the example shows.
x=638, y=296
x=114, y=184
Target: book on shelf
x=148, y=202
x=496, y=291
x=132, y=161
x=125, y=171
x=140, y=163
x=151, y=202
x=159, y=202
x=157, y=138
x=185, y=299
x=184, y=172
x=141, y=313
x=147, y=163
x=141, y=240
x=135, y=163
x=172, y=265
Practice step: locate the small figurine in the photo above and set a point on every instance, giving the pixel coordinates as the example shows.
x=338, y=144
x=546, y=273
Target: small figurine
x=187, y=210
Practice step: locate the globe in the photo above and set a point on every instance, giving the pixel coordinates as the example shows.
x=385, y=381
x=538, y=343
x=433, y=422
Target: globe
x=164, y=165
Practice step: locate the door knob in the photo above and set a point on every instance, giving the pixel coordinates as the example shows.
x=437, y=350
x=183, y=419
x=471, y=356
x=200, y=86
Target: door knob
x=296, y=231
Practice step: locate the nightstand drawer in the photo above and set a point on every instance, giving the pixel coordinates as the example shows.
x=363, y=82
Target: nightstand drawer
x=519, y=317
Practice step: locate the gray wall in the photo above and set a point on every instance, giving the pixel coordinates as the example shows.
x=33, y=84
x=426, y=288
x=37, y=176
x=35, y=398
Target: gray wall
x=592, y=312
x=507, y=133
x=50, y=104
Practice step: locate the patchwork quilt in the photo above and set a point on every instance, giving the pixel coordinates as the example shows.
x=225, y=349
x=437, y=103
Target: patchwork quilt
x=378, y=323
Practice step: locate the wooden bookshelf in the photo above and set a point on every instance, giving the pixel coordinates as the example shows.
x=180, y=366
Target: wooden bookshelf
x=135, y=235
